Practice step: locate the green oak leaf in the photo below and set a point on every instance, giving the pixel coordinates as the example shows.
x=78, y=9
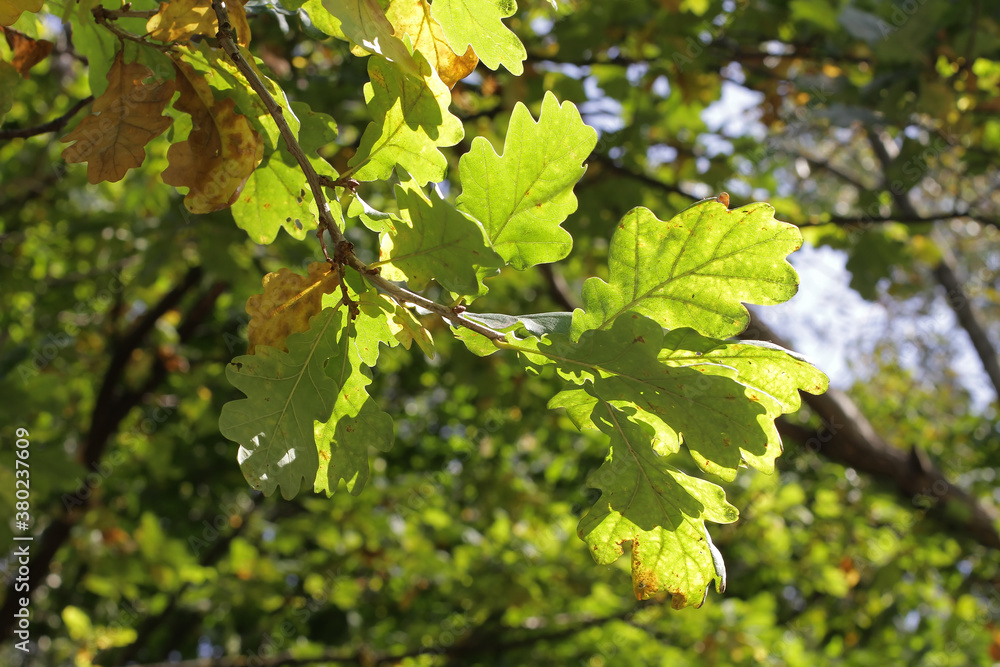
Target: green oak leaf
x=275, y=196
x=411, y=120
x=657, y=508
x=522, y=197
x=316, y=129
x=721, y=422
x=365, y=24
x=579, y=406
x=434, y=240
x=759, y=364
x=695, y=270
x=477, y=23
x=319, y=17
x=286, y=393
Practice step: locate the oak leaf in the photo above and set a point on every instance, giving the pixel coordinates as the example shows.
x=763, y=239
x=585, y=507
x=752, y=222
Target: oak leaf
x=221, y=152
x=288, y=302
x=125, y=118
x=27, y=52
x=179, y=20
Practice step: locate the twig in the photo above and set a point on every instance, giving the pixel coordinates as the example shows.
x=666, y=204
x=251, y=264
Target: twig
x=53, y=125
x=228, y=44
x=404, y=296
x=126, y=13
x=103, y=17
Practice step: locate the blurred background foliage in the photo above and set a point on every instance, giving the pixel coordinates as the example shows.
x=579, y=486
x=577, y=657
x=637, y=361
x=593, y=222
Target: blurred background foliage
x=872, y=124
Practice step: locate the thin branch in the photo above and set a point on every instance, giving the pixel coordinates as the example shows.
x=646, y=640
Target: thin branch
x=104, y=17
x=609, y=164
x=52, y=126
x=824, y=165
x=115, y=14
x=959, y=301
x=404, y=296
x=228, y=44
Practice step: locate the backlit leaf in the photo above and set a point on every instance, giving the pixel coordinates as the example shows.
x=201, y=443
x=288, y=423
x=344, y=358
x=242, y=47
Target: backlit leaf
x=413, y=18
x=10, y=10
x=180, y=20
x=720, y=421
x=434, y=240
x=656, y=507
x=522, y=197
x=765, y=366
x=694, y=270
x=287, y=304
x=411, y=120
x=365, y=24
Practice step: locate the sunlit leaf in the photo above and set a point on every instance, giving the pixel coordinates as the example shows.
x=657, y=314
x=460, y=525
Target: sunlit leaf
x=221, y=152
x=411, y=121
x=414, y=18
x=523, y=196
x=289, y=301
x=434, y=240
x=695, y=270
x=658, y=509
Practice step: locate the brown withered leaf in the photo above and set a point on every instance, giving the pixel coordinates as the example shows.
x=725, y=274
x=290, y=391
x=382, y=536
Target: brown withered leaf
x=288, y=302
x=179, y=20
x=413, y=17
x=221, y=152
x=27, y=52
x=112, y=139
x=10, y=10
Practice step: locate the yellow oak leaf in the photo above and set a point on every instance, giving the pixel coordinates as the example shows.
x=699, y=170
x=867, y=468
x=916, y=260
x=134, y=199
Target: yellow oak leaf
x=413, y=17
x=10, y=10
x=288, y=302
x=179, y=20
x=221, y=152
x=27, y=52
x=126, y=117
